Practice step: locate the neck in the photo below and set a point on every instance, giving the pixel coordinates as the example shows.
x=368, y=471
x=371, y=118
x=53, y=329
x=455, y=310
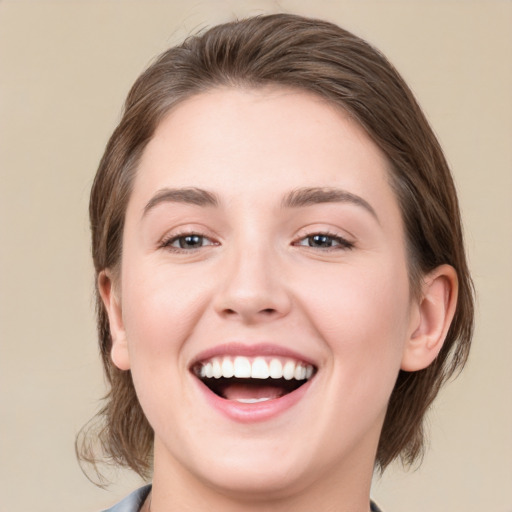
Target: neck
x=344, y=489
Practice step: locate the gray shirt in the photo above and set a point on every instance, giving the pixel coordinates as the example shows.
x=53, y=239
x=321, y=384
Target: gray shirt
x=133, y=502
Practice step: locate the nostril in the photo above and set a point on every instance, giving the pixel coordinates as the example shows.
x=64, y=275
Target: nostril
x=266, y=311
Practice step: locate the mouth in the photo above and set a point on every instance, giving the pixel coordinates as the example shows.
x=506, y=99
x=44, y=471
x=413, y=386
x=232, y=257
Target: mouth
x=253, y=380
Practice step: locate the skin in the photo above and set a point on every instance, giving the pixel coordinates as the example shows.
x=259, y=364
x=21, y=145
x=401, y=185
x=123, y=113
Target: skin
x=259, y=278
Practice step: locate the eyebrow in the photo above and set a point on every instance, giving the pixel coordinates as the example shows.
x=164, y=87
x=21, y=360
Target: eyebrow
x=189, y=195
x=309, y=196
x=297, y=198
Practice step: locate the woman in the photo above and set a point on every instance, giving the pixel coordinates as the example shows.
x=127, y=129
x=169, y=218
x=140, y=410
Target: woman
x=282, y=285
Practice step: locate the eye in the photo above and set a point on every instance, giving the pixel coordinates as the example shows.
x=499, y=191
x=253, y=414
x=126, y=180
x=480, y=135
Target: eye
x=325, y=241
x=187, y=242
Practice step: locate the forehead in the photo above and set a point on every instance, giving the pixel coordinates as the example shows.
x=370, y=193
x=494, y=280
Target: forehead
x=243, y=141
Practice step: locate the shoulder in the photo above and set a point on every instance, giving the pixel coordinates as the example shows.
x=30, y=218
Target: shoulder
x=132, y=502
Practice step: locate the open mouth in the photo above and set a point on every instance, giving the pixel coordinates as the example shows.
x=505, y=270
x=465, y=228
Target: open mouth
x=253, y=380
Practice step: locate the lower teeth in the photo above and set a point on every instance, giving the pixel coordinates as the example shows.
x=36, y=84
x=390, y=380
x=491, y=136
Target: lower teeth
x=251, y=400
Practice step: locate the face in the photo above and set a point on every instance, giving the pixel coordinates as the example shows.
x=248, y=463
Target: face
x=264, y=304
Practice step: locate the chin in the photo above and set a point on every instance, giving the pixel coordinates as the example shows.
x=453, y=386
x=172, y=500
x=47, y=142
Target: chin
x=261, y=479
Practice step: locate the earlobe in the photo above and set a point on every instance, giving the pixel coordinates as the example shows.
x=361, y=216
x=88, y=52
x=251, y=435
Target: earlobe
x=434, y=314
x=119, y=351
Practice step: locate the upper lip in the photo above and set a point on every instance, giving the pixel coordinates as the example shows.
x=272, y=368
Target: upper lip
x=250, y=350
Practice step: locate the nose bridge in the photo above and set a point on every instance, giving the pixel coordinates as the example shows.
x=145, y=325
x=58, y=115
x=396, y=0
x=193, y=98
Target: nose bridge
x=253, y=285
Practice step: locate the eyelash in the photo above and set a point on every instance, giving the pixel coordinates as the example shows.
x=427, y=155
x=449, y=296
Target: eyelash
x=341, y=243
x=167, y=243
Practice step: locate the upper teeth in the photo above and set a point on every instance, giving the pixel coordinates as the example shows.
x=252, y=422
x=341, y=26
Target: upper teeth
x=258, y=368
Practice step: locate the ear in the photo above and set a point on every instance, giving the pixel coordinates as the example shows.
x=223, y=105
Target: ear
x=119, y=352
x=431, y=319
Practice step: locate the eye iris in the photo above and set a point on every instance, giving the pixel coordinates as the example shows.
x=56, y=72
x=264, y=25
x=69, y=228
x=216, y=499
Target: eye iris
x=191, y=241
x=320, y=241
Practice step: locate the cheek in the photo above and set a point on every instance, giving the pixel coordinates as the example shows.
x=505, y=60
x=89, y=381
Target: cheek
x=160, y=309
x=362, y=313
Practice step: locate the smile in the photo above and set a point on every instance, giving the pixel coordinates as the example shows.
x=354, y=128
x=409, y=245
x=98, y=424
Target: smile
x=253, y=380
x=252, y=383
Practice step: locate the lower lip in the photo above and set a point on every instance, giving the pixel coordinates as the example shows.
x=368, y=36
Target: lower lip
x=250, y=413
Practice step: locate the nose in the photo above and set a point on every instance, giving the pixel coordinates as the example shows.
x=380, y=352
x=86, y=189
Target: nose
x=254, y=288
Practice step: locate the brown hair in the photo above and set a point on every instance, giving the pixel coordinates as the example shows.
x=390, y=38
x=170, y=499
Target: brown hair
x=319, y=57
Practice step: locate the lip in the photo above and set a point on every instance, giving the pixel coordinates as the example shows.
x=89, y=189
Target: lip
x=256, y=412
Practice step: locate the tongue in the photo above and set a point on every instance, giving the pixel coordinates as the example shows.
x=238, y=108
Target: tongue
x=247, y=392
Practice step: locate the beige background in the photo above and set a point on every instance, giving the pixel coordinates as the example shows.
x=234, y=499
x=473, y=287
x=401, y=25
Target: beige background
x=65, y=68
